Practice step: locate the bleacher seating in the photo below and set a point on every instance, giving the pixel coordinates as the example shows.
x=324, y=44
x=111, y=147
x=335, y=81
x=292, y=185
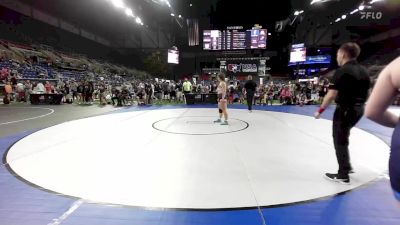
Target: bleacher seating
x=54, y=64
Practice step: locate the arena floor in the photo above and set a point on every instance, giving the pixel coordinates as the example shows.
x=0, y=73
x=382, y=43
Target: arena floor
x=95, y=165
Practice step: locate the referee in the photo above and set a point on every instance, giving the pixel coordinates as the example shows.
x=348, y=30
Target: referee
x=349, y=88
x=250, y=87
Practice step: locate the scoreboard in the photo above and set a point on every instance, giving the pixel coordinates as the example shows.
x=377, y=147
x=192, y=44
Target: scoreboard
x=235, y=39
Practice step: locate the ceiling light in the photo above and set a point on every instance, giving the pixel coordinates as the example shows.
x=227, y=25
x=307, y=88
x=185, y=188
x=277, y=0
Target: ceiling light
x=338, y=19
x=138, y=20
x=172, y=14
x=129, y=12
x=361, y=7
x=354, y=11
x=180, y=16
x=118, y=3
x=315, y=1
x=373, y=1
x=344, y=17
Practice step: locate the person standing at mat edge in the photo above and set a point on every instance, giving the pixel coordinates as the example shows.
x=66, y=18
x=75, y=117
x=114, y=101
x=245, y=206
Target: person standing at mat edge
x=385, y=92
x=187, y=88
x=222, y=101
x=250, y=87
x=349, y=88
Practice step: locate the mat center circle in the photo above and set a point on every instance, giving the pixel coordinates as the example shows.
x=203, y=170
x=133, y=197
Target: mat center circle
x=199, y=125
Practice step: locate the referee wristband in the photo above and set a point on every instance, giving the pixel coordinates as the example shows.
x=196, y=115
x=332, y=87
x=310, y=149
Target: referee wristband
x=321, y=110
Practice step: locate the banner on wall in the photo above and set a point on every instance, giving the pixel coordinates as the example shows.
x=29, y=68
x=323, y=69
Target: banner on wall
x=248, y=67
x=317, y=59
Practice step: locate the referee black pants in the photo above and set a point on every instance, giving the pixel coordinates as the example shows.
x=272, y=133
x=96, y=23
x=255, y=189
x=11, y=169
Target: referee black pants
x=250, y=98
x=344, y=119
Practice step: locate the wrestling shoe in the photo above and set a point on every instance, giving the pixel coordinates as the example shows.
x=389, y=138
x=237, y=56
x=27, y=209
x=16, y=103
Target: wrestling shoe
x=218, y=121
x=225, y=123
x=338, y=178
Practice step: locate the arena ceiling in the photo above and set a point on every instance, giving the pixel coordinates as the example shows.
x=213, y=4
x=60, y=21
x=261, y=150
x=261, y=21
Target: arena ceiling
x=101, y=18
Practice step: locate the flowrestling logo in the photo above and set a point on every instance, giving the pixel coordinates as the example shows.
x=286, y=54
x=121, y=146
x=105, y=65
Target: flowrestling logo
x=371, y=15
x=245, y=68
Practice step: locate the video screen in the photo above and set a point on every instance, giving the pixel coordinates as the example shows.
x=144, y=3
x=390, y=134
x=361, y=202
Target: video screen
x=235, y=39
x=173, y=56
x=298, y=53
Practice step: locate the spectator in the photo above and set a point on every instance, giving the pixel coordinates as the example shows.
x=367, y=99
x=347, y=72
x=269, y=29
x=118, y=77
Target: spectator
x=187, y=88
x=81, y=93
x=48, y=87
x=8, y=91
x=166, y=90
x=179, y=94
x=149, y=93
x=20, y=89
x=39, y=88
x=286, y=96
x=116, y=94
x=28, y=90
x=74, y=90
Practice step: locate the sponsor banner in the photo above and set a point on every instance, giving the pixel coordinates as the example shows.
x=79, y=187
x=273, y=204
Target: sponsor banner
x=317, y=59
x=242, y=68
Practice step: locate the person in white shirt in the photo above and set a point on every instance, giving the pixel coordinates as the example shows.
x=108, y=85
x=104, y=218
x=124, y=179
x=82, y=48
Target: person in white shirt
x=39, y=88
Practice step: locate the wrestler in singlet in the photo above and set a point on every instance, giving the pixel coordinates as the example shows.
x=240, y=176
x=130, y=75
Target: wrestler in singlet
x=222, y=101
x=387, y=88
x=221, y=91
x=394, y=162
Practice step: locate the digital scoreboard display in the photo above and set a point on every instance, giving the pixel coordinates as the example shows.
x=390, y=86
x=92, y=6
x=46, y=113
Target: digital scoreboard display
x=173, y=56
x=298, y=53
x=235, y=39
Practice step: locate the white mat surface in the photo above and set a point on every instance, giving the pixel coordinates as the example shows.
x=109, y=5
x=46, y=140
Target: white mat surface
x=121, y=159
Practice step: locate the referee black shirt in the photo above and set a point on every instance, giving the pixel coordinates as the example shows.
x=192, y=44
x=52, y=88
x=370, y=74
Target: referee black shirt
x=352, y=83
x=250, y=86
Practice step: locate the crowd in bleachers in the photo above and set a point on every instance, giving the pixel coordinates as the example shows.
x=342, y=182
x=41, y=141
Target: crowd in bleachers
x=83, y=81
x=274, y=92
x=123, y=91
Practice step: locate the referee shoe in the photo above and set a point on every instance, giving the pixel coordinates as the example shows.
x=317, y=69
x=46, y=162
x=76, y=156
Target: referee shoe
x=338, y=178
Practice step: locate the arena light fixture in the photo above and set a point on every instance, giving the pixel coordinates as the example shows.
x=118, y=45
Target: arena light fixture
x=118, y=3
x=354, y=11
x=315, y=1
x=167, y=3
x=172, y=14
x=138, y=20
x=129, y=12
x=361, y=8
x=344, y=17
x=373, y=1
x=180, y=16
x=296, y=13
x=319, y=1
x=338, y=19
